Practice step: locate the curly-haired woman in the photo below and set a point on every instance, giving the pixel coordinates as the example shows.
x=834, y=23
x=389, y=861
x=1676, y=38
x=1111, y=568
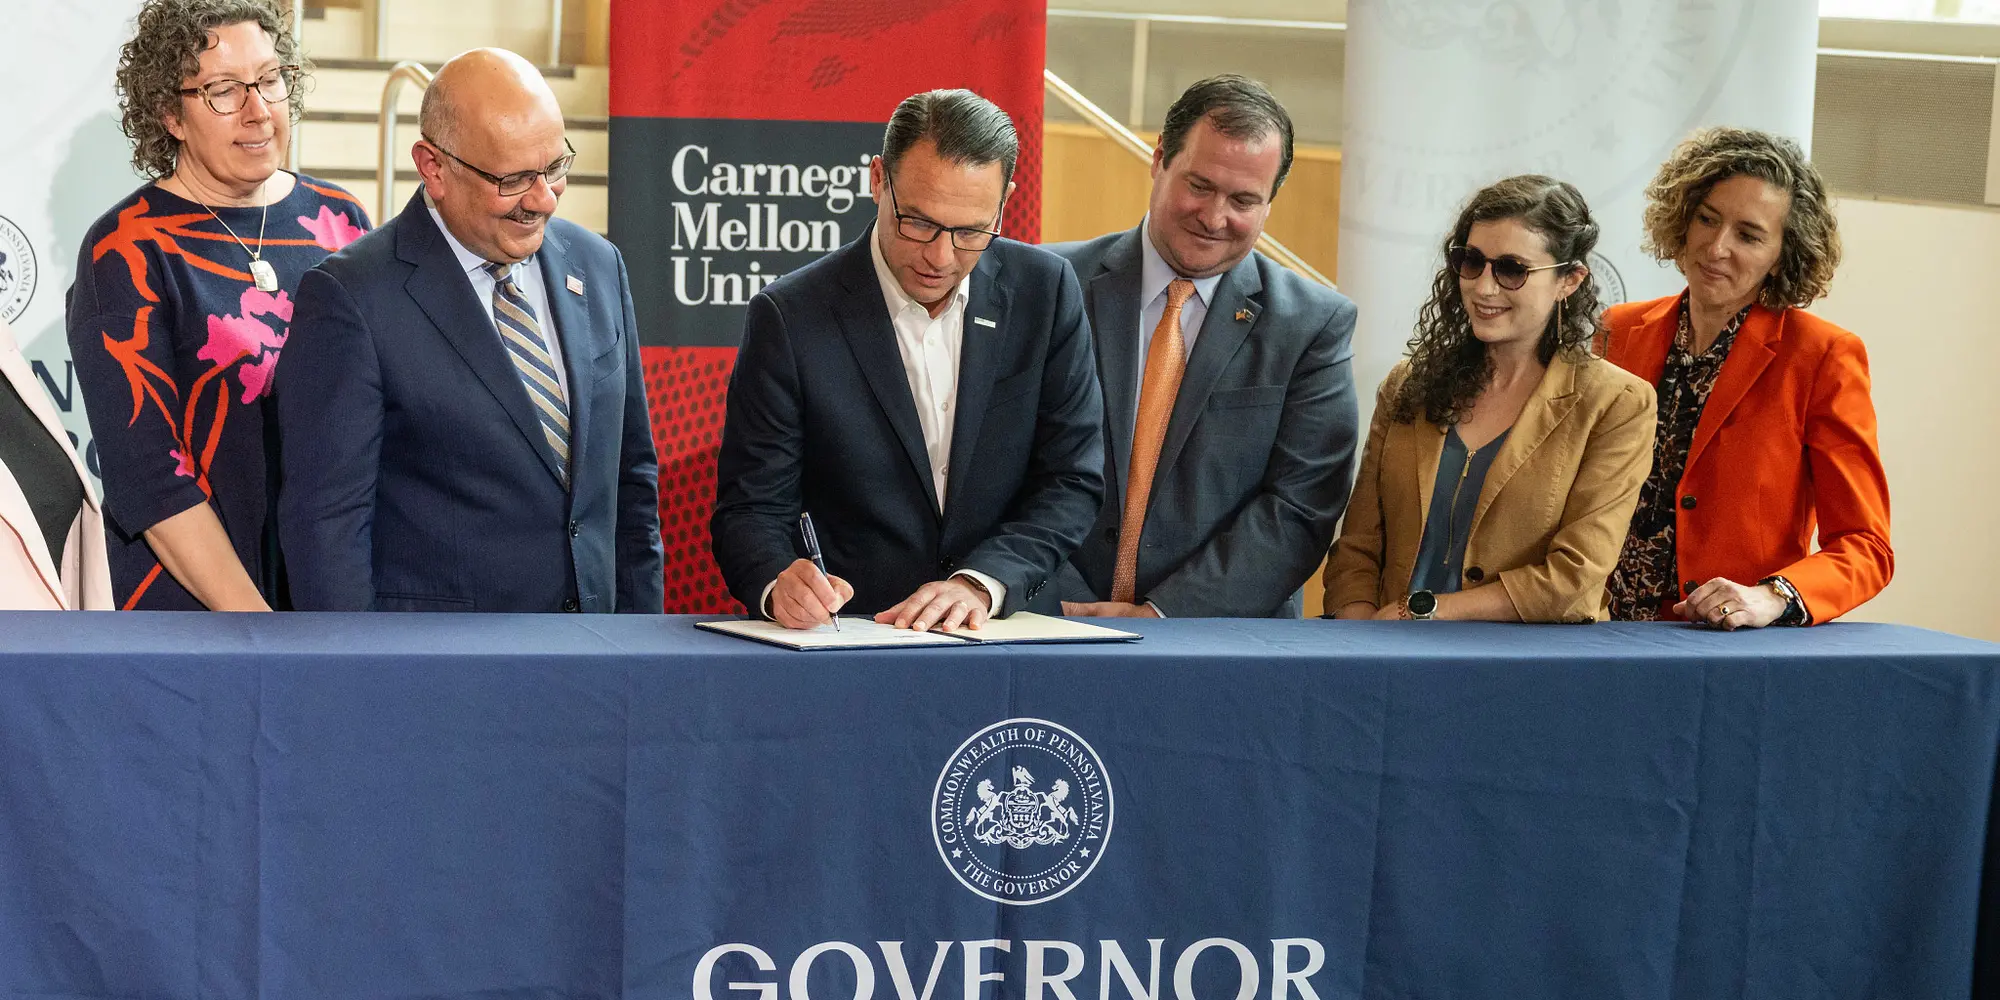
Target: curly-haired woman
x=183, y=299
x=1503, y=460
x=1766, y=428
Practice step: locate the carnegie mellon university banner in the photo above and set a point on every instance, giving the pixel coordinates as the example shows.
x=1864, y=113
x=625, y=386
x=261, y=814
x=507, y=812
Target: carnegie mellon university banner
x=741, y=132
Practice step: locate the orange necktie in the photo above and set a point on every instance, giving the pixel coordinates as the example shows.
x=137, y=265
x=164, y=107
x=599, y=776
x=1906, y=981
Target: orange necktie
x=1166, y=359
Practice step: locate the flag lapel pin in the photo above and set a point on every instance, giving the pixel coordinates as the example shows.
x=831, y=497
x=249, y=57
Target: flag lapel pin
x=574, y=284
x=983, y=321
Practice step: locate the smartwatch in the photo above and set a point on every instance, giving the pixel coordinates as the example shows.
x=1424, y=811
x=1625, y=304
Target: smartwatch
x=1421, y=605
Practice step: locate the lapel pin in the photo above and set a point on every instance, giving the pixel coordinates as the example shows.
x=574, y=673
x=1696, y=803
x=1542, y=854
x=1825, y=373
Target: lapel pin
x=983, y=321
x=574, y=284
x=1245, y=315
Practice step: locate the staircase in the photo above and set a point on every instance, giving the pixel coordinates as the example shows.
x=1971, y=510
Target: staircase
x=339, y=138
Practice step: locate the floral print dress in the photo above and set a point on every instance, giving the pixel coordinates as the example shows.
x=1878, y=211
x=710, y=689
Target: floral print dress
x=175, y=348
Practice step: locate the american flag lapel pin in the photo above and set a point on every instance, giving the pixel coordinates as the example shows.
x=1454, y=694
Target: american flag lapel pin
x=574, y=284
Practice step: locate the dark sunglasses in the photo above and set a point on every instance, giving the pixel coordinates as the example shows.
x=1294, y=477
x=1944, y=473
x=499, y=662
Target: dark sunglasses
x=1509, y=271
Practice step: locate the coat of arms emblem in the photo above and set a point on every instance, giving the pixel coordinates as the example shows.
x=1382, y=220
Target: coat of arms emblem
x=1022, y=811
x=1021, y=817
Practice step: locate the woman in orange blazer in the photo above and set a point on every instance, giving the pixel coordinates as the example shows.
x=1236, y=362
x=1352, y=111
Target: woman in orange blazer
x=52, y=555
x=1766, y=428
x=1503, y=460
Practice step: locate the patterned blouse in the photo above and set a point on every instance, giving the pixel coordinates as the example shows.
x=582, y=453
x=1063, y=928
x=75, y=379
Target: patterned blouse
x=1646, y=581
x=174, y=349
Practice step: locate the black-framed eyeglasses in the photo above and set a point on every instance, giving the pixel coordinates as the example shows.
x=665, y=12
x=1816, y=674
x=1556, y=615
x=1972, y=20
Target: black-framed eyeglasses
x=518, y=182
x=1509, y=271
x=225, y=97
x=918, y=229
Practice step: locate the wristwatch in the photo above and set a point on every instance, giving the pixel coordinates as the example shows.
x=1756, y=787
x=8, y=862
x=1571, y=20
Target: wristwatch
x=1421, y=606
x=1795, y=612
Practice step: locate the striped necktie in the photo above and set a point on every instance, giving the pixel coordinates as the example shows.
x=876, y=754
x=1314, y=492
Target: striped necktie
x=522, y=334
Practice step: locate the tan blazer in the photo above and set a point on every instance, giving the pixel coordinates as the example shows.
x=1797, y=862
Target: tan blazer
x=1551, y=517
x=29, y=579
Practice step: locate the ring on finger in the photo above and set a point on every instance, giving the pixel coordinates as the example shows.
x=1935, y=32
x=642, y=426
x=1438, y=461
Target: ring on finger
x=1727, y=611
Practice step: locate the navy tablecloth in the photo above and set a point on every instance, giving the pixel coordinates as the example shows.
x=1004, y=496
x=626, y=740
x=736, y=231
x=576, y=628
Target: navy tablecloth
x=502, y=807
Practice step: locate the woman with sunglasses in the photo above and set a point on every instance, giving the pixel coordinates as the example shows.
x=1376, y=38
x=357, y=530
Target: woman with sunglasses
x=1503, y=461
x=183, y=299
x=1766, y=428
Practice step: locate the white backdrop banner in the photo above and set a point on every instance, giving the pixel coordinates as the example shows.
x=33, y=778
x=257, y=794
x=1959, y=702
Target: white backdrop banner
x=63, y=162
x=1446, y=96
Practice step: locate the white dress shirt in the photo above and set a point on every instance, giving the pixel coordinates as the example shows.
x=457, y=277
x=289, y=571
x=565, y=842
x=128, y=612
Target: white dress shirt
x=1155, y=274
x=527, y=276
x=930, y=346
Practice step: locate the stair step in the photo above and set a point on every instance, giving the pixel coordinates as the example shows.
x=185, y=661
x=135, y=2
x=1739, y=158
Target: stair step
x=355, y=86
x=564, y=72
x=434, y=31
x=351, y=140
x=584, y=204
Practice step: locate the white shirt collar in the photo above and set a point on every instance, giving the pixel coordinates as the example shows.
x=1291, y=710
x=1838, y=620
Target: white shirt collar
x=892, y=290
x=466, y=259
x=1155, y=274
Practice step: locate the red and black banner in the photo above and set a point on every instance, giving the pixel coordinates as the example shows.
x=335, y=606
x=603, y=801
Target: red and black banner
x=741, y=132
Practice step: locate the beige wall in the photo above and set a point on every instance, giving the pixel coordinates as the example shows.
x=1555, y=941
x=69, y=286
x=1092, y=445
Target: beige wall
x=1921, y=285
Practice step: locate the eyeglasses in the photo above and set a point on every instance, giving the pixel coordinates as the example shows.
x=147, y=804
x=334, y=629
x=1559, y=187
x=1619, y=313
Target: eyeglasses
x=1509, y=271
x=921, y=230
x=520, y=182
x=225, y=97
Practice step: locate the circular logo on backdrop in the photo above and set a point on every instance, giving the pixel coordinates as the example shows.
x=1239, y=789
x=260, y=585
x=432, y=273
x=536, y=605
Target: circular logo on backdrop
x=1022, y=811
x=1610, y=284
x=17, y=270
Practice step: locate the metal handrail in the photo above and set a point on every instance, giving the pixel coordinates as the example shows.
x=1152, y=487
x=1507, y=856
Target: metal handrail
x=385, y=176
x=1131, y=143
x=555, y=31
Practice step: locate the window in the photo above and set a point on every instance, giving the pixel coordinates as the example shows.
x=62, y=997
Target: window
x=1980, y=11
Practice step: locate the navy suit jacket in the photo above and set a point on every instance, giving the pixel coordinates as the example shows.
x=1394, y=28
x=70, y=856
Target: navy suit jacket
x=416, y=476
x=821, y=418
x=1259, y=453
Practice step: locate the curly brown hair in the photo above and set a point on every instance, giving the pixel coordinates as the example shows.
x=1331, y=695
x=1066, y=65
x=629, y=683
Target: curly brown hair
x=1810, y=249
x=168, y=39
x=1449, y=367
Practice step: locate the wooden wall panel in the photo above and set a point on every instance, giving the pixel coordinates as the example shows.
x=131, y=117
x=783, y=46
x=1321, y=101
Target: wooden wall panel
x=1091, y=187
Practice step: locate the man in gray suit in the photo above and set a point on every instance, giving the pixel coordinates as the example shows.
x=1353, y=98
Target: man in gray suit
x=1230, y=415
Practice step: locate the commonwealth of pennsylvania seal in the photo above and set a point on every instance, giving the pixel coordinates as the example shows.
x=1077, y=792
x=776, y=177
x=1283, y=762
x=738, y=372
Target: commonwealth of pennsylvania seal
x=1022, y=811
x=17, y=270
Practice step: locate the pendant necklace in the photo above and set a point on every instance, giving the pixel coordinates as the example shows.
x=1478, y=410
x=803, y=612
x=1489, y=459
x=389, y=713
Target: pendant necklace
x=261, y=270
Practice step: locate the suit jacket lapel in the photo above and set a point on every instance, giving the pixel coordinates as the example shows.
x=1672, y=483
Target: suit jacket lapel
x=1554, y=397
x=1114, y=317
x=1748, y=357
x=864, y=320
x=979, y=353
x=15, y=368
x=1430, y=451
x=572, y=331
x=1221, y=334
x=15, y=510
x=1643, y=350
x=443, y=291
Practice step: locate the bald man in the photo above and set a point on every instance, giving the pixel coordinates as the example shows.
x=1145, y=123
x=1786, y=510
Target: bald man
x=462, y=413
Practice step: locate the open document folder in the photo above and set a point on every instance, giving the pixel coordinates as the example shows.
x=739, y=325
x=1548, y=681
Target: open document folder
x=863, y=633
